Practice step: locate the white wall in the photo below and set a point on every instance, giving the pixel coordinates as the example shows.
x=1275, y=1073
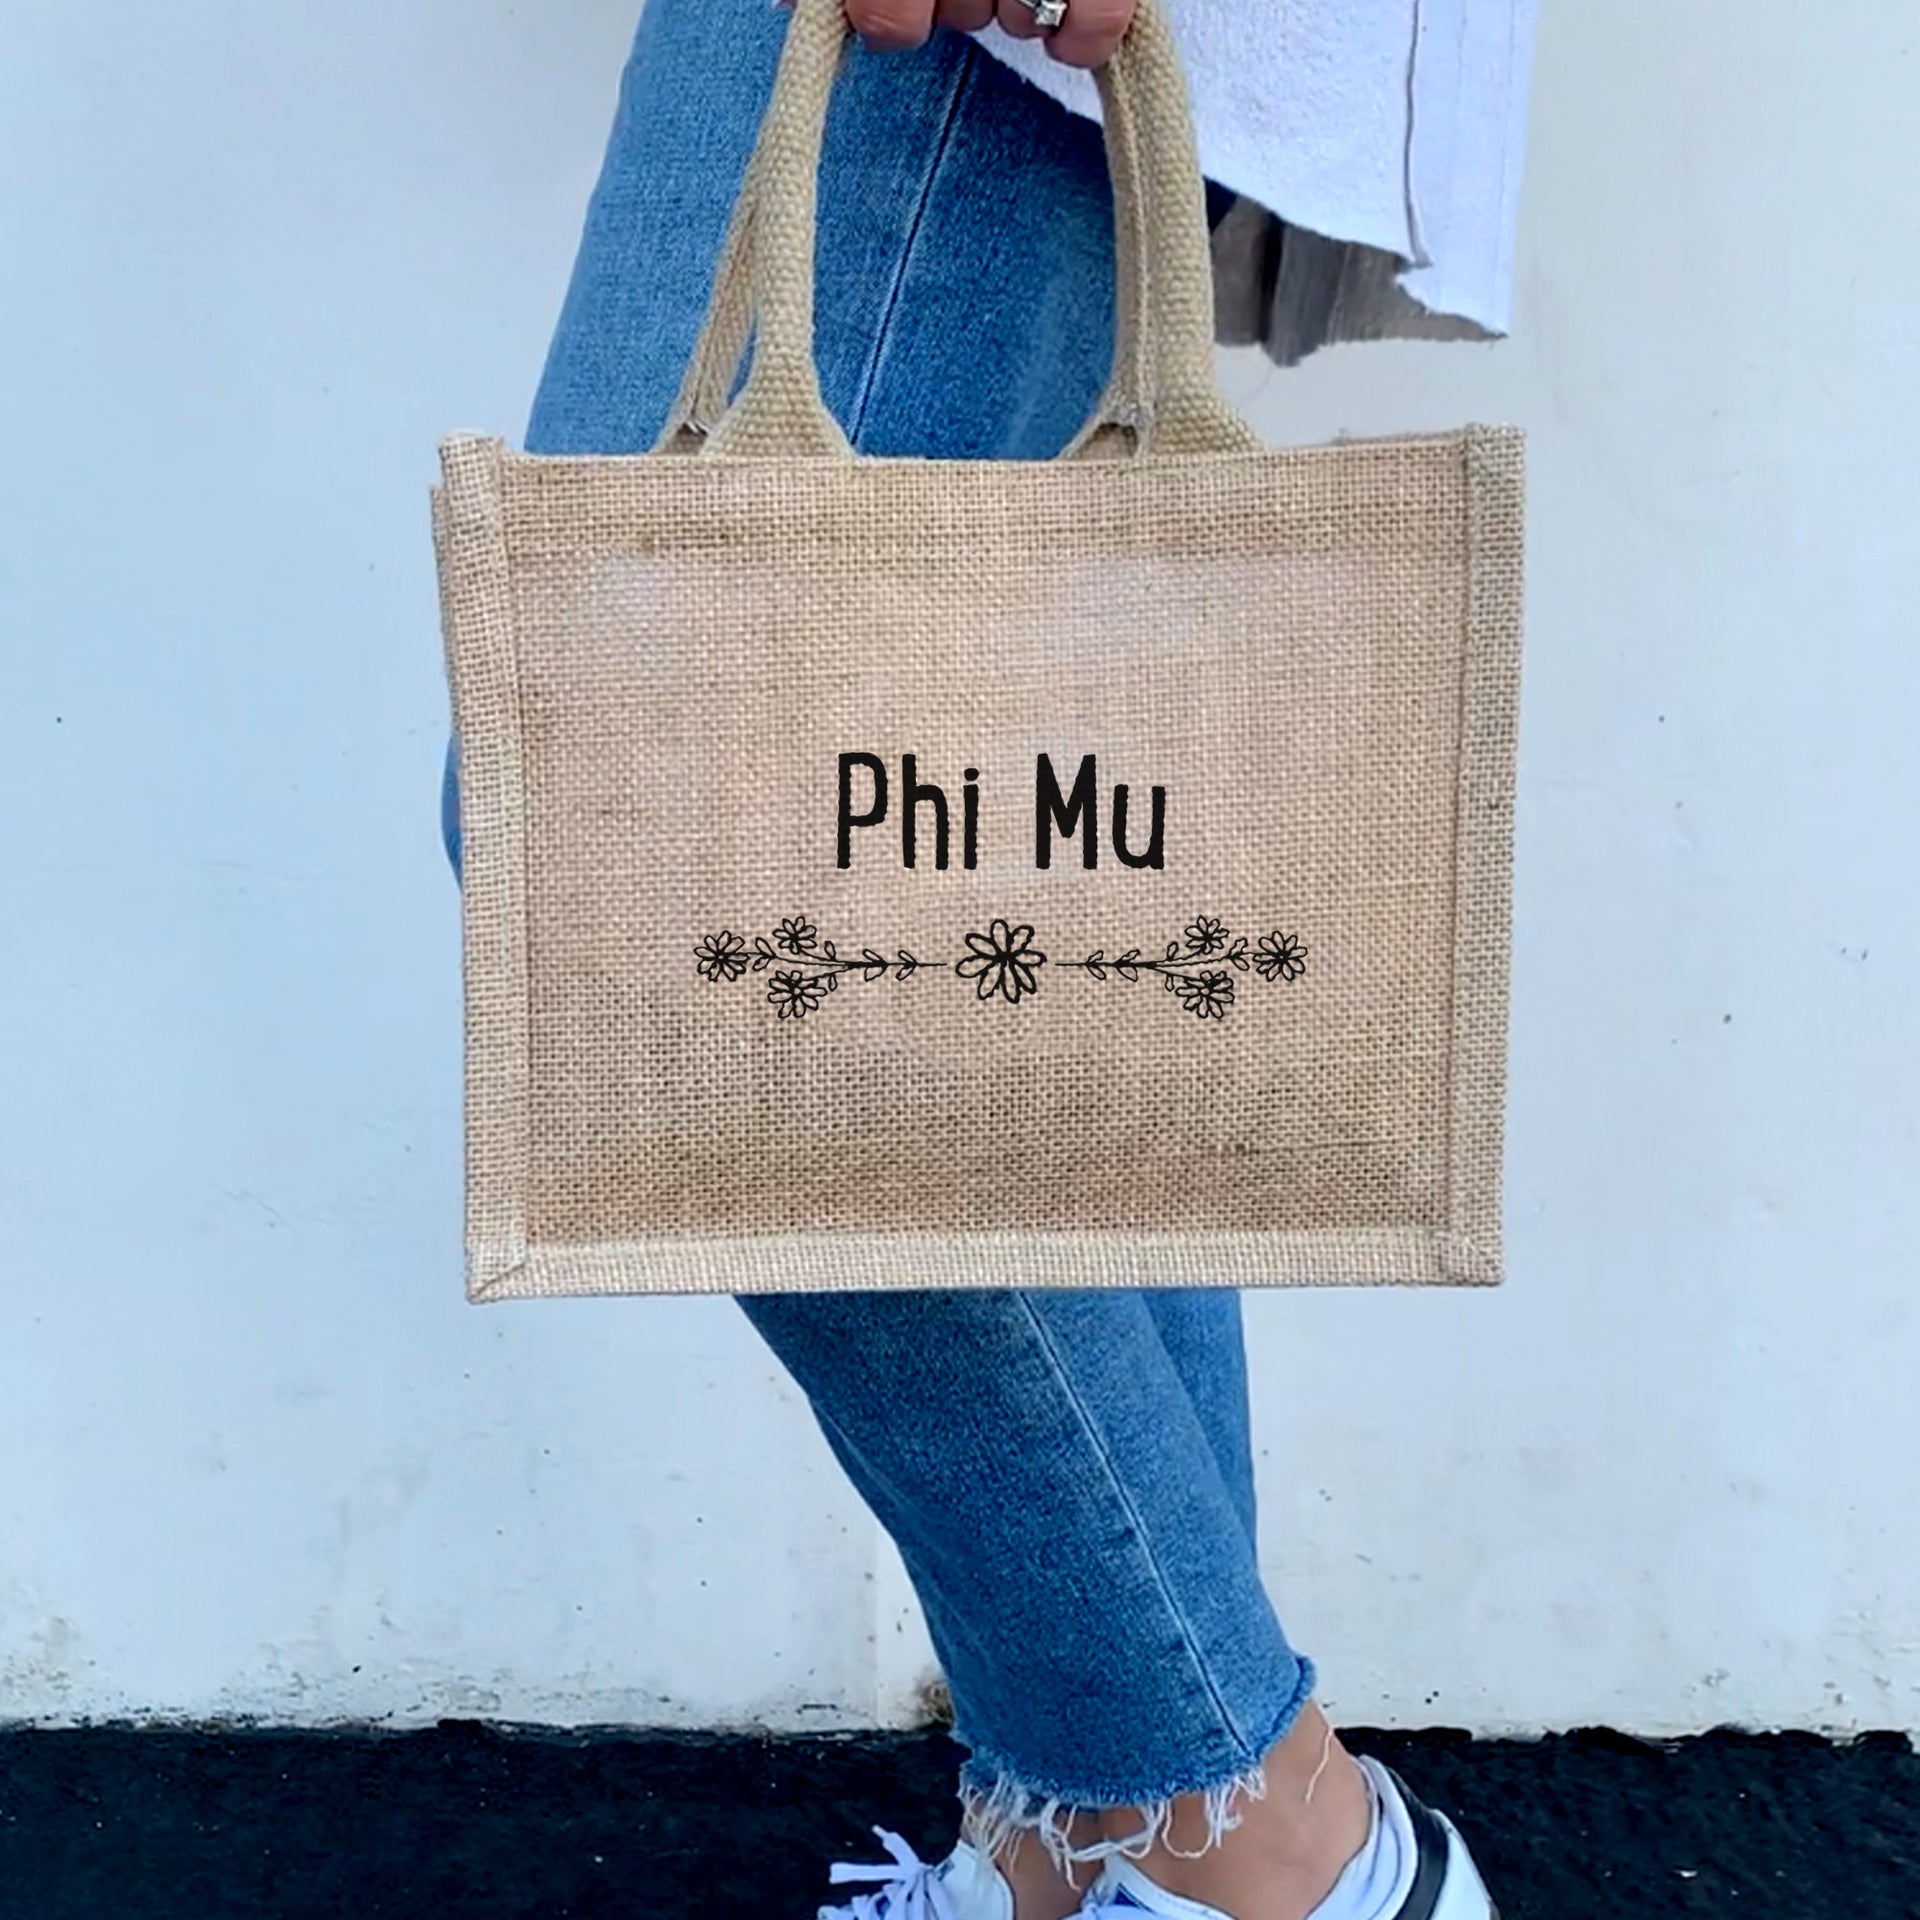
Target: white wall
x=257, y=1455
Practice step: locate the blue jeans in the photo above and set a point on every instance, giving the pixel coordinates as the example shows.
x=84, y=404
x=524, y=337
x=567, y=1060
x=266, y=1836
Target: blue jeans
x=1068, y=1474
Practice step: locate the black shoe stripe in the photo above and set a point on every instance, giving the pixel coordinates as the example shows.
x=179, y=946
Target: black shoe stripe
x=1431, y=1850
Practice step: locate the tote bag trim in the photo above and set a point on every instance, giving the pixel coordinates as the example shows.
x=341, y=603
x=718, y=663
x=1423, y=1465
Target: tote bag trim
x=469, y=520
x=1465, y=1248
x=1483, y=844
x=790, y=1262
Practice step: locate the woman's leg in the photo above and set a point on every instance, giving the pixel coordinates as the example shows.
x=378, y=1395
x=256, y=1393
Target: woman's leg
x=1068, y=1473
x=1084, y=1564
x=1201, y=1329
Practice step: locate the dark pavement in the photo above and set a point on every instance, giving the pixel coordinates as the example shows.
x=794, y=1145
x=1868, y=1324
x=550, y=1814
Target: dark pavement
x=471, y=1822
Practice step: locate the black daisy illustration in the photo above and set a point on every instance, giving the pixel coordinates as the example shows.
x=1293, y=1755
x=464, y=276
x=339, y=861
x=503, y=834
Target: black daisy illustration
x=1206, y=935
x=1279, y=954
x=795, y=995
x=1002, y=960
x=721, y=956
x=796, y=934
x=1206, y=995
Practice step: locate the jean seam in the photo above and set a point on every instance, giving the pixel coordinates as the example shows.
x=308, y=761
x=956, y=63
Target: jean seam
x=1134, y=1521
x=936, y=159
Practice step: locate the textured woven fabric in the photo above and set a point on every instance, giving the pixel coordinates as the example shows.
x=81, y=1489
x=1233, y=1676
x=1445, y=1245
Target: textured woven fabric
x=704, y=1054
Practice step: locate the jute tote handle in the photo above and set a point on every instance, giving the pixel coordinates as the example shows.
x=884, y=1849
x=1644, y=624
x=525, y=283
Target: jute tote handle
x=1160, y=397
x=1115, y=426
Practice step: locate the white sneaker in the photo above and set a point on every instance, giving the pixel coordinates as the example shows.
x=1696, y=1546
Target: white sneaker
x=1440, y=1883
x=966, y=1885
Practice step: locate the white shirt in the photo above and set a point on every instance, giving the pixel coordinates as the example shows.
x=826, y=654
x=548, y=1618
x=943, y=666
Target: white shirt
x=1397, y=123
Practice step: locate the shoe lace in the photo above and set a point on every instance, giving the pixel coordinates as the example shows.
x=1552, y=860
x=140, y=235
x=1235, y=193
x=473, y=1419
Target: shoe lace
x=905, y=1890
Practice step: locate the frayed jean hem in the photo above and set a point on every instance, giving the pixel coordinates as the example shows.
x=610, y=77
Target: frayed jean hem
x=998, y=1801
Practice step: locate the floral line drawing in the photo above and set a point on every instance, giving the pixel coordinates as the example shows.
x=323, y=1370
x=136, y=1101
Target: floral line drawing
x=1193, y=968
x=1002, y=960
x=803, y=967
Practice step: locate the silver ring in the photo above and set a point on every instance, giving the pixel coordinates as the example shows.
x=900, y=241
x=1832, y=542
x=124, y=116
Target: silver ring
x=1047, y=14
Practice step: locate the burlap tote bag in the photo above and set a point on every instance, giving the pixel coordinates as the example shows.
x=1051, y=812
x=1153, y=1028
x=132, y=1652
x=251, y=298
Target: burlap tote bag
x=903, y=873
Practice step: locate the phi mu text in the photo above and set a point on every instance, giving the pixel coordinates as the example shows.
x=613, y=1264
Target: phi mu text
x=918, y=809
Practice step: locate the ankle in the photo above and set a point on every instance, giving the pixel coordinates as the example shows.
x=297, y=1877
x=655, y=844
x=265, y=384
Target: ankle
x=1288, y=1847
x=1328, y=1819
x=1042, y=1888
